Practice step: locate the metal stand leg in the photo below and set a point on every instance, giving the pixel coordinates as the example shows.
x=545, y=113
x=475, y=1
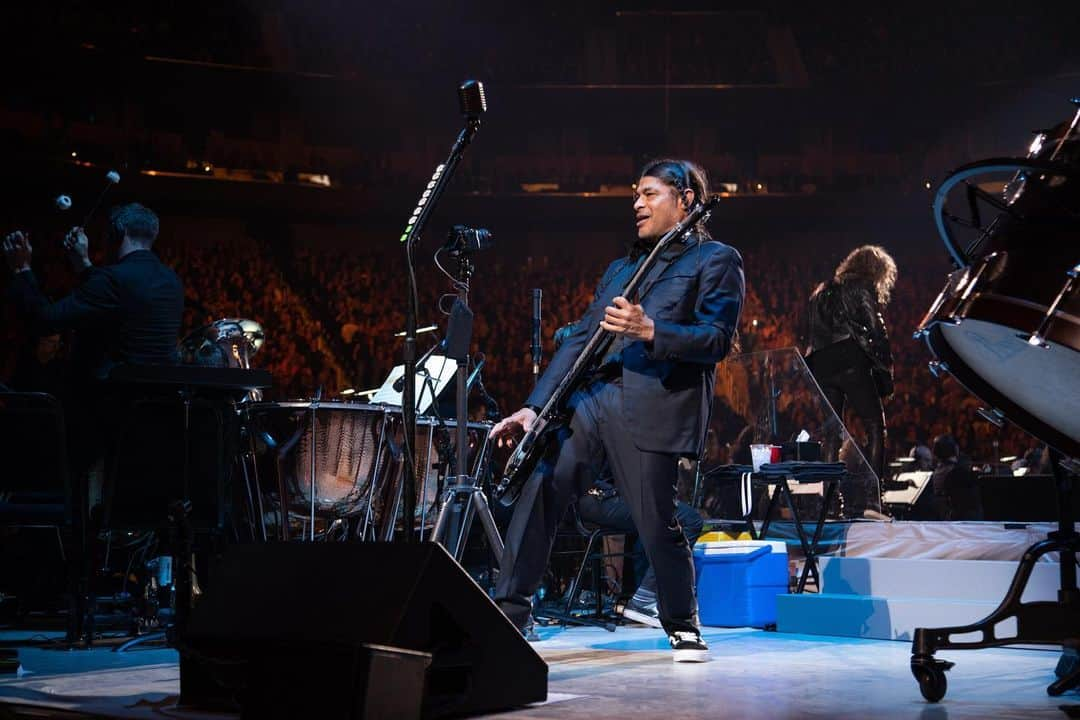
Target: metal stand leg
x=809, y=546
x=181, y=539
x=589, y=560
x=1037, y=623
x=464, y=498
x=252, y=486
x=160, y=636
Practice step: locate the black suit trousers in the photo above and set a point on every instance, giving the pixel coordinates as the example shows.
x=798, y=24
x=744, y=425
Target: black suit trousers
x=645, y=480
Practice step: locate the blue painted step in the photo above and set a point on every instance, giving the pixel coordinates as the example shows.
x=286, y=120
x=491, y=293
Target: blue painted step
x=872, y=617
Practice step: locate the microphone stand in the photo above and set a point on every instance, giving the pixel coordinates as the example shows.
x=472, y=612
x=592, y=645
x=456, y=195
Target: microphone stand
x=537, y=295
x=464, y=497
x=430, y=197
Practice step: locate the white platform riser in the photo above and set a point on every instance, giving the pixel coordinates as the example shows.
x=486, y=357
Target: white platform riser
x=972, y=580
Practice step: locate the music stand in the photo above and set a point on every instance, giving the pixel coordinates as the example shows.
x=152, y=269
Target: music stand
x=439, y=368
x=904, y=499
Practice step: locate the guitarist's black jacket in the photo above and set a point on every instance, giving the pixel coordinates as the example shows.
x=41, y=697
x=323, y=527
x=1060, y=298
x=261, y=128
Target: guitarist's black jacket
x=694, y=295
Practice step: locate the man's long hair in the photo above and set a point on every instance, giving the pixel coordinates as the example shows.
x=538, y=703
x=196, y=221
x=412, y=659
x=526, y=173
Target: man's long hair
x=870, y=265
x=682, y=175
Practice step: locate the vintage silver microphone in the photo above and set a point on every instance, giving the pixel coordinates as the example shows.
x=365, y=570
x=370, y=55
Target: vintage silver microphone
x=471, y=98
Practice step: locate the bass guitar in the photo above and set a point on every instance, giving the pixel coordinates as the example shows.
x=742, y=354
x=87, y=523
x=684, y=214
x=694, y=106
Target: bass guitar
x=552, y=416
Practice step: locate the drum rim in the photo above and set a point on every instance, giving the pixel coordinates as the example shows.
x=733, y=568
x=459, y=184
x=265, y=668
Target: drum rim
x=1064, y=330
x=964, y=172
x=355, y=406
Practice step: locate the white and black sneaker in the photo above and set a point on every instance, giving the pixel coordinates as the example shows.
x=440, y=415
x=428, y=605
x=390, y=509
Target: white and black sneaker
x=687, y=646
x=642, y=612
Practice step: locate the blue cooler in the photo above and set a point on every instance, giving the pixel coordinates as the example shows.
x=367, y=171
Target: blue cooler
x=738, y=581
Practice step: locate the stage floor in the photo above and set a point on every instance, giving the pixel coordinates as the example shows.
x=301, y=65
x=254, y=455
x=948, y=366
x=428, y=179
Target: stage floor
x=629, y=673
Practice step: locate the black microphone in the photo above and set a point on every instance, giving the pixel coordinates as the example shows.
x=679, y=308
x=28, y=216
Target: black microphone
x=536, y=347
x=471, y=99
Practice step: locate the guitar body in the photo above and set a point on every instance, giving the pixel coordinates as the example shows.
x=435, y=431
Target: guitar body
x=523, y=461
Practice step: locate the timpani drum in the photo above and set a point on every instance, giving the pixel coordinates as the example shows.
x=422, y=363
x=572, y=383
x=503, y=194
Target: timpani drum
x=335, y=460
x=1007, y=323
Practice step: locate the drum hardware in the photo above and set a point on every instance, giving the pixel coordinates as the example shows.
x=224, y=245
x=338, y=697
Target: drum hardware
x=386, y=506
x=936, y=367
x=1068, y=134
x=1071, y=465
x=252, y=486
x=464, y=495
x=1014, y=291
x=1023, y=170
x=224, y=343
x=992, y=415
x=1001, y=296
x=311, y=456
x=1038, y=338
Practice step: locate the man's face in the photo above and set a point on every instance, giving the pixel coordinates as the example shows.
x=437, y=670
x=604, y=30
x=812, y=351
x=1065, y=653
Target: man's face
x=658, y=207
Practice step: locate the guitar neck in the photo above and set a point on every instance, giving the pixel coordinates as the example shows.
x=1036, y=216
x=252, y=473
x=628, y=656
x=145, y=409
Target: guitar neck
x=596, y=346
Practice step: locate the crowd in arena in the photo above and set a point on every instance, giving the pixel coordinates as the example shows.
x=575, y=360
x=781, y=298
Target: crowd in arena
x=331, y=313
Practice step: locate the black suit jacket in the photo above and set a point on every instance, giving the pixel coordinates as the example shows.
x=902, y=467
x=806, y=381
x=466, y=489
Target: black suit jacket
x=694, y=295
x=128, y=312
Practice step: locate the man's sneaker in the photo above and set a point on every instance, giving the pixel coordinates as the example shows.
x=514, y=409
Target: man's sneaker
x=642, y=612
x=687, y=646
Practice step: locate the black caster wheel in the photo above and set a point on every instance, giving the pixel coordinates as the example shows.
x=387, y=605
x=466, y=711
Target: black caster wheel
x=930, y=674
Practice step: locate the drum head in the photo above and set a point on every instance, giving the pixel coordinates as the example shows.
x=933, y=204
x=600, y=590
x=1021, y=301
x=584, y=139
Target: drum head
x=1035, y=386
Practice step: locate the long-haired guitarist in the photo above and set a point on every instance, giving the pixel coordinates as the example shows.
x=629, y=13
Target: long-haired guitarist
x=646, y=404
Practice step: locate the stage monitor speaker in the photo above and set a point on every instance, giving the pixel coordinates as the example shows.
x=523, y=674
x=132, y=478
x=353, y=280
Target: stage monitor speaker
x=304, y=596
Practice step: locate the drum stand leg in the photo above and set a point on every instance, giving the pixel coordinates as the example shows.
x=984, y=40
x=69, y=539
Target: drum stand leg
x=1037, y=623
x=253, y=488
x=464, y=499
x=182, y=545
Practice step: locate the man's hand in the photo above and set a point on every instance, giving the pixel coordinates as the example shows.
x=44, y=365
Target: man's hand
x=625, y=318
x=17, y=250
x=78, y=249
x=509, y=428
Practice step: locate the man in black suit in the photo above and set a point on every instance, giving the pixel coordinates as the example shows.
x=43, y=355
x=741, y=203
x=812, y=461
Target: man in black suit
x=647, y=404
x=127, y=312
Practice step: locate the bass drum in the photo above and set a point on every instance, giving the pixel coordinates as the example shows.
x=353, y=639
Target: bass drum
x=1007, y=323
